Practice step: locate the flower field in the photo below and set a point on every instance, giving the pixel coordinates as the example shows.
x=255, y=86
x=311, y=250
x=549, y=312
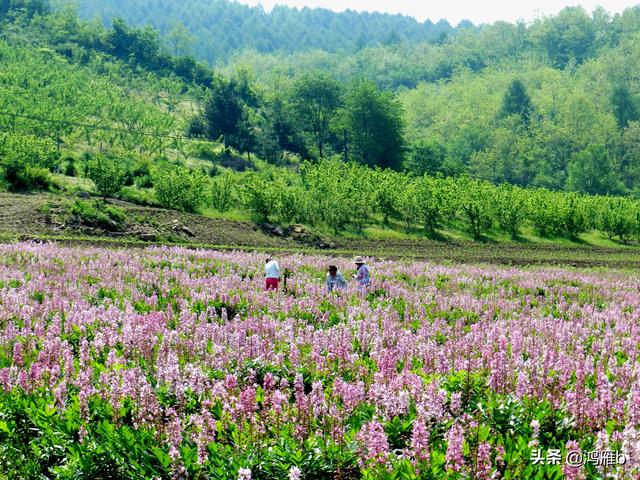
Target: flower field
x=174, y=363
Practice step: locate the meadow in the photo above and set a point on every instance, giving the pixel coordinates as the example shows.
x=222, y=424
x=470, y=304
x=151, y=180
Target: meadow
x=167, y=362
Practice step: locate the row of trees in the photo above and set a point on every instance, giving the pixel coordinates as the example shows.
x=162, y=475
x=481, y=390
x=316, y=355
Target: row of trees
x=337, y=194
x=348, y=195
x=542, y=131
x=316, y=116
x=221, y=28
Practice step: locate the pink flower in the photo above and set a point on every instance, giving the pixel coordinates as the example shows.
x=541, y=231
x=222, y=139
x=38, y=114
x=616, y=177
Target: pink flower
x=455, y=441
x=483, y=462
x=373, y=442
x=295, y=473
x=419, y=448
x=535, y=428
x=571, y=471
x=244, y=474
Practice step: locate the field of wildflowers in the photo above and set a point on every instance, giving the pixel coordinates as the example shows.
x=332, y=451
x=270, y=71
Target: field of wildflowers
x=173, y=363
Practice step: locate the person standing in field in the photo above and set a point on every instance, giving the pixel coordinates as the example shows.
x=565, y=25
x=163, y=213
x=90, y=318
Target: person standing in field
x=363, y=275
x=335, y=279
x=272, y=274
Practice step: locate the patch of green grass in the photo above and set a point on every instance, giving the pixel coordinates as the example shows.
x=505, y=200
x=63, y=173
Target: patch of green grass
x=98, y=213
x=138, y=196
x=73, y=184
x=233, y=214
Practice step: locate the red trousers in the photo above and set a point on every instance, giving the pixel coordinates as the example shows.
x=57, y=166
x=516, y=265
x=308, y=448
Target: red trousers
x=272, y=284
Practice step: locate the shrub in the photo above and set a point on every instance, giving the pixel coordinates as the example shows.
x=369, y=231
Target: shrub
x=475, y=201
x=99, y=214
x=616, y=218
x=258, y=197
x=197, y=127
x=179, y=188
x=138, y=196
x=222, y=192
x=142, y=174
x=144, y=181
x=25, y=177
x=70, y=169
x=510, y=207
x=36, y=178
x=107, y=173
x=26, y=161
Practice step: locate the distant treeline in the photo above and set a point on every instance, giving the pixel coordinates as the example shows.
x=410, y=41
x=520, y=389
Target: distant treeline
x=219, y=28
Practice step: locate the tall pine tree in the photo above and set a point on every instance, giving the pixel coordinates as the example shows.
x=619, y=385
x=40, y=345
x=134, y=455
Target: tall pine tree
x=517, y=102
x=624, y=106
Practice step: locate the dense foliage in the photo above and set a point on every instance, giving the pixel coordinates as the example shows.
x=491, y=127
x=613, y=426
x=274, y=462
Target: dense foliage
x=556, y=109
x=219, y=28
x=166, y=363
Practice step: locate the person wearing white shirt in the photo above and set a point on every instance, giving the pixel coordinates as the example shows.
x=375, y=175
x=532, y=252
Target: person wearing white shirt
x=272, y=274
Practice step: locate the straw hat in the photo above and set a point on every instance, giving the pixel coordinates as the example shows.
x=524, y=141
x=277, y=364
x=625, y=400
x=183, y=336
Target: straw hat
x=358, y=260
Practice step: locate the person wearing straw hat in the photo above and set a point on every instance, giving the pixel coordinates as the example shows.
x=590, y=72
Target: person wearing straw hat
x=363, y=276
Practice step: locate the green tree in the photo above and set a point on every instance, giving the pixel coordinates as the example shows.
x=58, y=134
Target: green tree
x=567, y=37
x=434, y=202
x=629, y=153
x=180, y=188
x=516, y=101
x=108, y=174
x=332, y=188
x=27, y=8
x=388, y=185
x=425, y=157
x=616, y=217
x=573, y=214
x=316, y=99
x=376, y=126
x=511, y=209
x=259, y=196
x=591, y=172
x=226, y=116
x=624, y=106
x=179, y=39
x=139, y=44
x=223, y=191
x=542, y=211
x=475, y=202
x=409, y=205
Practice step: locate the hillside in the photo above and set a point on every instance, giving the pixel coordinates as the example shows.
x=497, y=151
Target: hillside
x=214, y=30
x=515, y=148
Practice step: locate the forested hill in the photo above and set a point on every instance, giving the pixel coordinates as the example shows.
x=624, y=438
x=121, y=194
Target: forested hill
x=218, y=28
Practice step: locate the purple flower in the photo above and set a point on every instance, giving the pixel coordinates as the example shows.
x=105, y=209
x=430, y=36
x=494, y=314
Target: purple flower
x=455, y=441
